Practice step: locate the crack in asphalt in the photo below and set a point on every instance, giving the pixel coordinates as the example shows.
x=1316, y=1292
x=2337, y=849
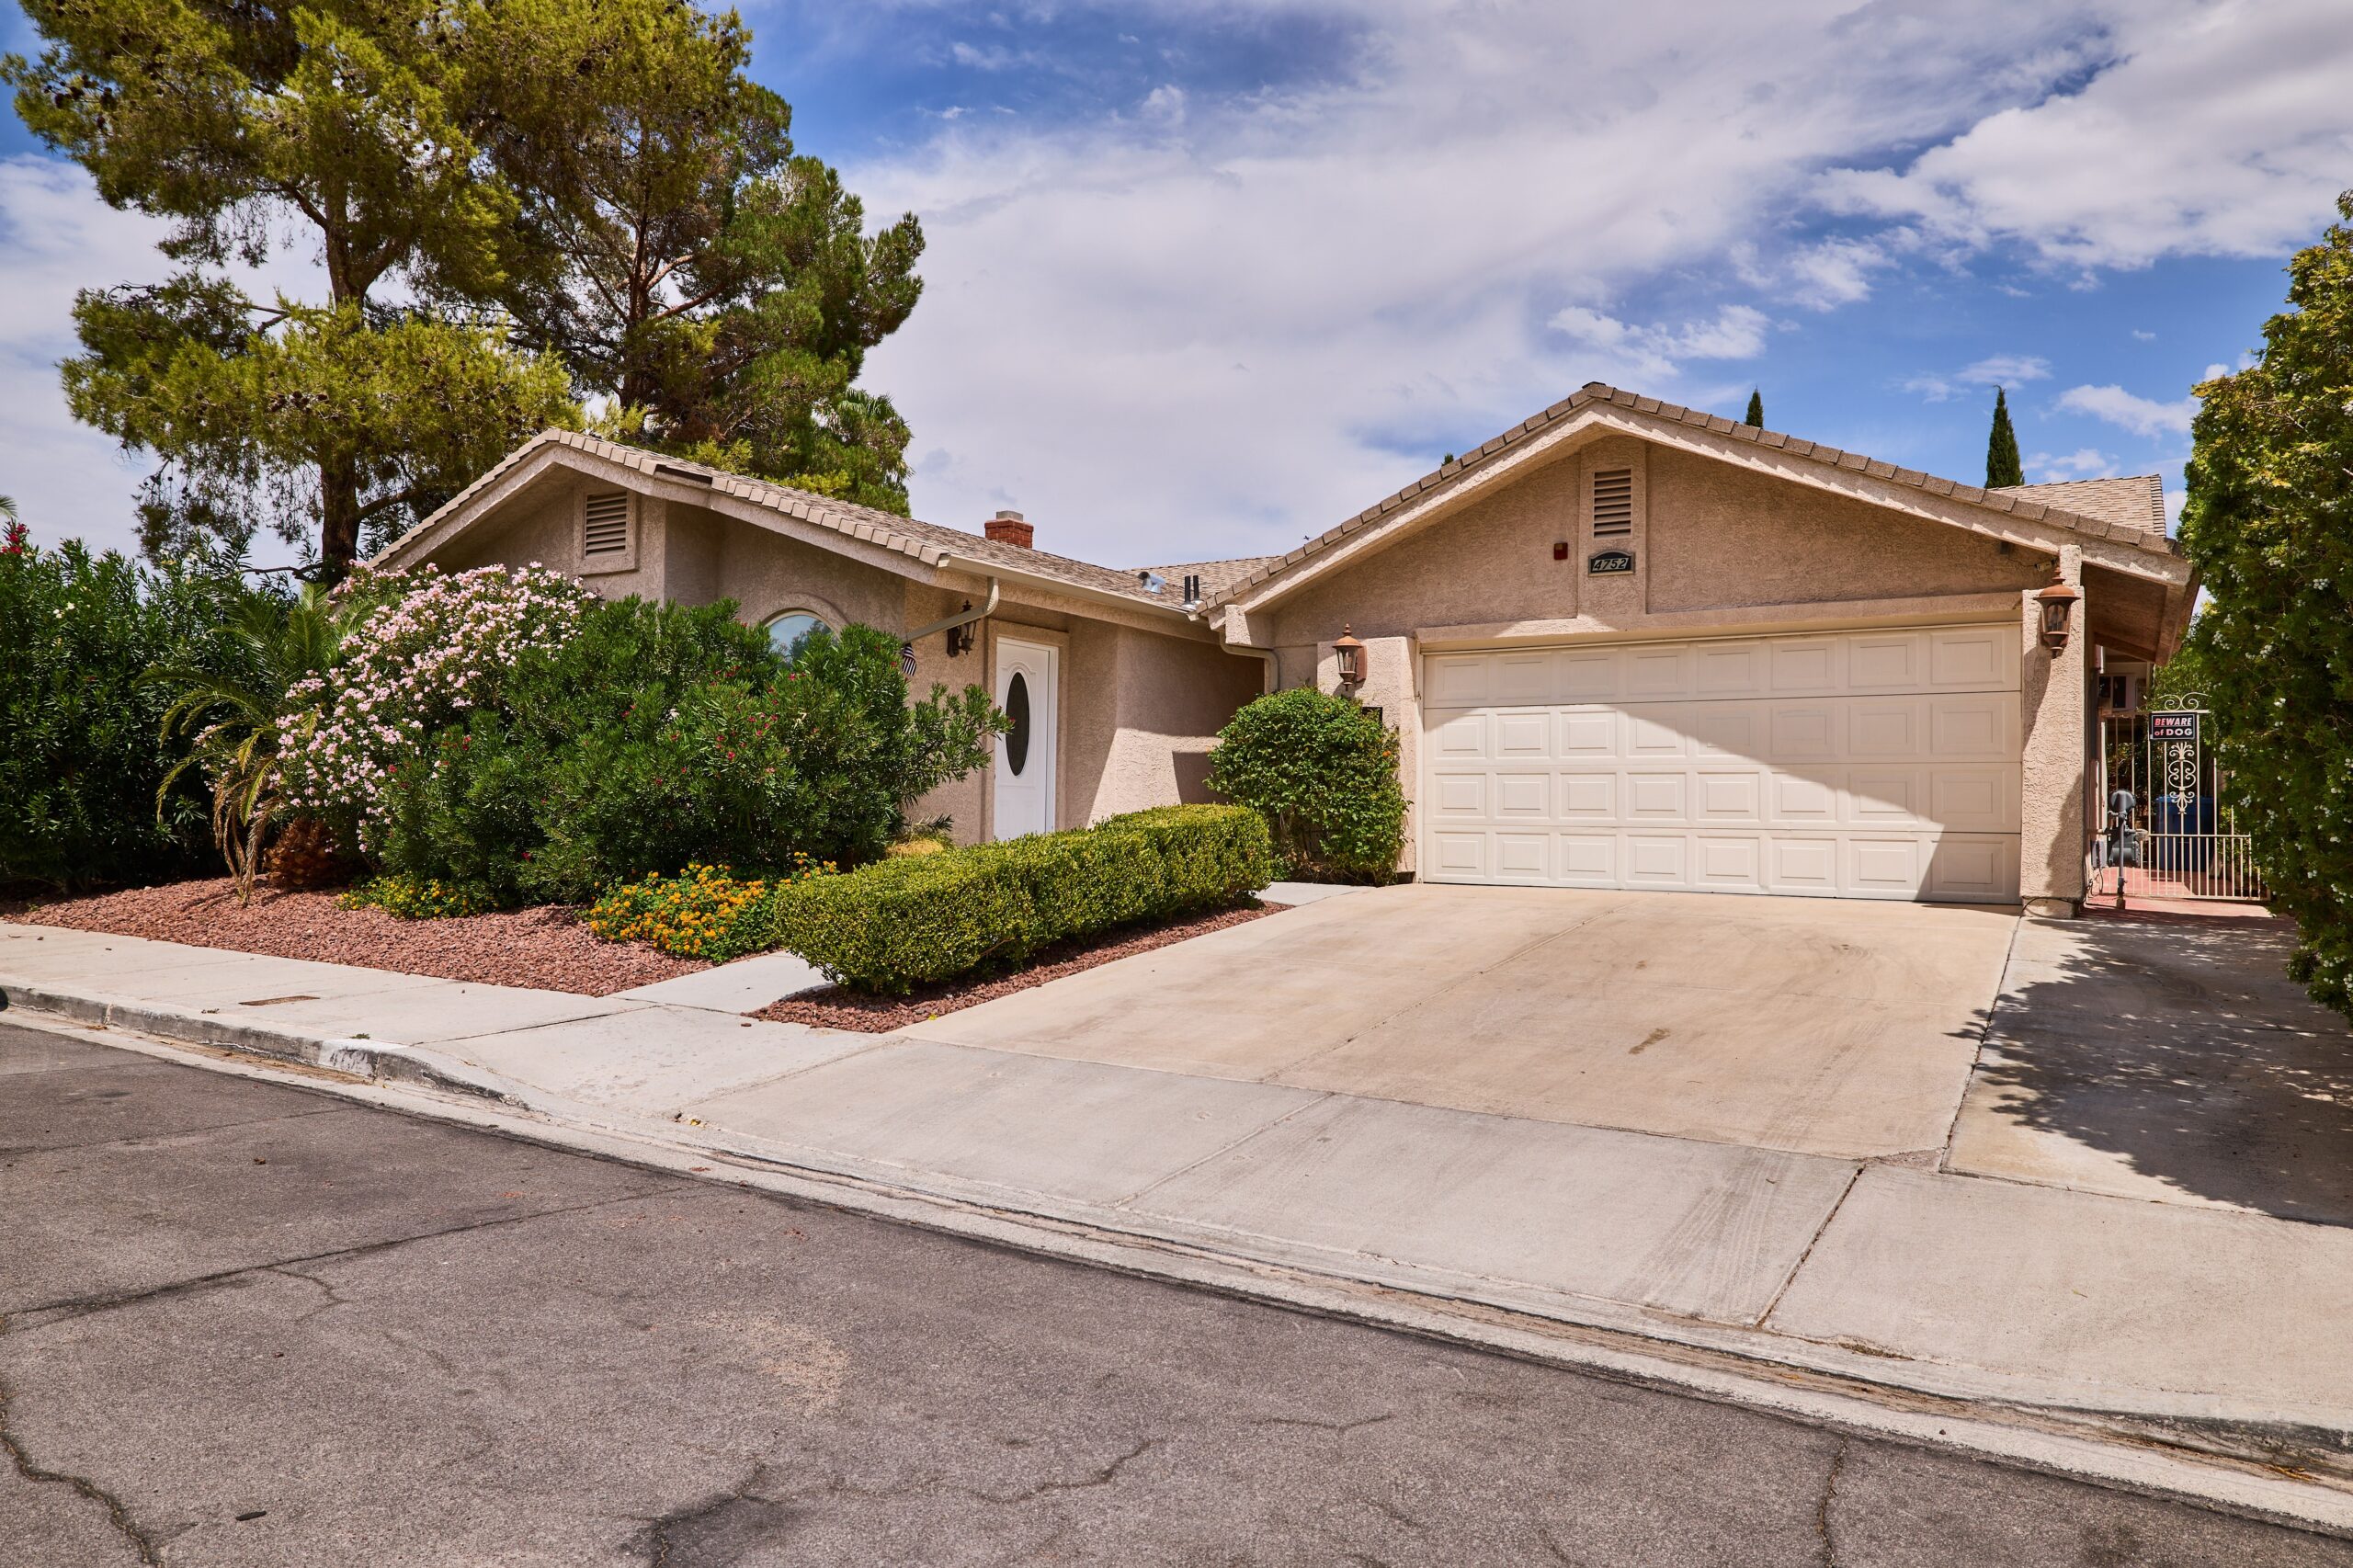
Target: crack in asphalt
x=1341, y=1429
x=149, y=1552
x=72, y=1307
x=1829, y=1500
x=1103, y=1476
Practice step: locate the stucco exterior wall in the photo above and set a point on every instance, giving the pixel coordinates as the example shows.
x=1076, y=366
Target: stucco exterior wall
x=2054, y=757
x=1172, y=697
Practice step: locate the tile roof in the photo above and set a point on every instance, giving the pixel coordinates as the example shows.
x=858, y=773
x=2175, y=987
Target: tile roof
x=2137, y=502
x=928, y=542
x=2016, y=502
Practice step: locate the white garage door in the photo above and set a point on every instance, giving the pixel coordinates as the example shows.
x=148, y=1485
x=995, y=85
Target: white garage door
x=1850, y=765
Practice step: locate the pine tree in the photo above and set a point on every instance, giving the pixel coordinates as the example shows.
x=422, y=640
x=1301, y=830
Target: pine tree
x=2002, y=466
x=1756, y=409
x=254, y=128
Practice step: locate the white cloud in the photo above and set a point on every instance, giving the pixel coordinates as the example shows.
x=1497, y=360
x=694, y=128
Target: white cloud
x=2085, y=462
x=1995, y=371
x=1607, y=349
x=2141, y=336
x=1236, y=338
x=2140, y=415
x=2220, y=128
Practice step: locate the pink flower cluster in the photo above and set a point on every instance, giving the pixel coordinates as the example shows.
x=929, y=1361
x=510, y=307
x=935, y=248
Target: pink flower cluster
x=413, y=665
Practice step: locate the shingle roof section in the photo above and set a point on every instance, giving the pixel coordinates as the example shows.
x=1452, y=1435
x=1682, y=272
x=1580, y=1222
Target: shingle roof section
x=1216, y=575
x=927, y=542
x=2016, y=502
x=2138, y=501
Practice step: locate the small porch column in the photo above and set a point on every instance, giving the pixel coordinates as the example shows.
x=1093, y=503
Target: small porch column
x=2054, y=753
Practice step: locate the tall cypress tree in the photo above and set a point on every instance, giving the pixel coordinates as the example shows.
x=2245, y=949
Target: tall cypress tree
x=2002, y=465
x=1756, y=409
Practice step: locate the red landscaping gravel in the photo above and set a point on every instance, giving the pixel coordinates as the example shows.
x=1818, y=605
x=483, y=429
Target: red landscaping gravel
x=547, y=947
x=836, y=1007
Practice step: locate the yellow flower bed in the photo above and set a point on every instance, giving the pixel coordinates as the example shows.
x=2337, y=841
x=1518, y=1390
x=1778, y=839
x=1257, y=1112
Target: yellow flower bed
x=704, y=912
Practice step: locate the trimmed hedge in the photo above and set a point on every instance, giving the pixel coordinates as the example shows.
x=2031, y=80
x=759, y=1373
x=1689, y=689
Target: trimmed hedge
x=919, y=920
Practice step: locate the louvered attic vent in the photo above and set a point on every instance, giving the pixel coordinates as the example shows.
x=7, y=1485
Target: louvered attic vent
x=604, y=525
x=1613, y=502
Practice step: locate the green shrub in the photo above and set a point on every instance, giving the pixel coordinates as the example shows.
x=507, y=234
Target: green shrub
x=414, y=898
x=918, y=920
x=655, y=737
x=81, y=751
x=1322, y=770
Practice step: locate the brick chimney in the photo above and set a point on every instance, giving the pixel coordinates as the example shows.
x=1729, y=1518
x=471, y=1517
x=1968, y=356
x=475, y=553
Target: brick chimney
x=1007, y=528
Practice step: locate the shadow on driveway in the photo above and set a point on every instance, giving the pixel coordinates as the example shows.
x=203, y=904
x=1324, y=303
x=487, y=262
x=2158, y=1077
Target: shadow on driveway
x=2129, y=1054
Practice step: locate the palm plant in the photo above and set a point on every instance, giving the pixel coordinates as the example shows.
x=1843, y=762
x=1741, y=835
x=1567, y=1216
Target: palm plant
x=238, y=720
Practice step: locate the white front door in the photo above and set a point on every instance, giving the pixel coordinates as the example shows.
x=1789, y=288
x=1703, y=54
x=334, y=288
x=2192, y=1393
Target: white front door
x=1026, y=679
x=1879, y=764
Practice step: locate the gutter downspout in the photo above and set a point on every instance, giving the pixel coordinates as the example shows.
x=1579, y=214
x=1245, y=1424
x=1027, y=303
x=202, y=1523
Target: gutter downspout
x=965, y=618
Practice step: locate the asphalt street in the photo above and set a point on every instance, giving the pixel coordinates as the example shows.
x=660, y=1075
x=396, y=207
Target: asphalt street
x=248, y=1324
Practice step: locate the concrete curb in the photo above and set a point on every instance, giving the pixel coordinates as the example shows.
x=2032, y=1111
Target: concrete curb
x=2265, y=1463
x=383, y=1061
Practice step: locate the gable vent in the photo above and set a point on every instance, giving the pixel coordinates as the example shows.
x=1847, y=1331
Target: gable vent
x=603, y=524
x=1613, y=502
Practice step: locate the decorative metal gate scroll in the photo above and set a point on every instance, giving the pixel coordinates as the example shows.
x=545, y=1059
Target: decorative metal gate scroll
x=2182, y=839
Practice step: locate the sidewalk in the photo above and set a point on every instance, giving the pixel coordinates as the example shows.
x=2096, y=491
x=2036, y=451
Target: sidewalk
x=2205, y=1329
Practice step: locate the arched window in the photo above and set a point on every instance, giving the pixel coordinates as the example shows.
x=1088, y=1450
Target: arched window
x=786, y=631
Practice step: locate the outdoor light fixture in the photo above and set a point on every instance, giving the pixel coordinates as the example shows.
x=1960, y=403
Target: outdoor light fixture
x=2058, y=606
x=1349, y=653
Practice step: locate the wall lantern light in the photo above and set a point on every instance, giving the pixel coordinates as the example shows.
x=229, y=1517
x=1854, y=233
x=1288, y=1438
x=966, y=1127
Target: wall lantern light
x=1349, y=655
x=2058, y=607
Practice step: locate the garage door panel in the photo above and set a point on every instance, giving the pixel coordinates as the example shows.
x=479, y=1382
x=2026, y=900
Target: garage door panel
x=1655, y=861
x=1587, y=797
x=1526, y=797
x=1586, y=676
x=1881, y=728
x=1727, y=795
x=1585, y=859
x=1973, y=658
x=1887, y=661
x=1655, y=732
x=1805, y=665
x=1585, y=731
x=1729, y=669
x=1462, y=736
x=1728, y=862
x=1526, y=734
x=1653, y=796
x=1804, y=732
x=1872, y=764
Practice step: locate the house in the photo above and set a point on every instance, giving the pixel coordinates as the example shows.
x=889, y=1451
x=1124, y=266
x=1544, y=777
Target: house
x=1624, y=643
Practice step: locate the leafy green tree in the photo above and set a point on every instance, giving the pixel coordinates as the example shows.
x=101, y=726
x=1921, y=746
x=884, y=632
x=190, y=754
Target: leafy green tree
x=1756, y=417
x=255, y=130
x=2002, y=465
x=718, y=288
x=2269, y=524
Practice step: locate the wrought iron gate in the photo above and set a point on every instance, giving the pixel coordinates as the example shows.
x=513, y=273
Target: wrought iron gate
x=2182, y=838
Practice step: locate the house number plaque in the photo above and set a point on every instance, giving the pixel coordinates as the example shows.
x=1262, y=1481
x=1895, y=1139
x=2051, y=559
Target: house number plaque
x=1608, y=561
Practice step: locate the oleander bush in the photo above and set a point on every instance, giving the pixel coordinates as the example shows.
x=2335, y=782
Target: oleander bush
x=1323, y=772
x=81, y=754
x=917, y=920
x=703, y=912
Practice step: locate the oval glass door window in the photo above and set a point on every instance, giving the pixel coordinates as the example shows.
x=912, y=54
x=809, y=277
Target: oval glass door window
x=1016, y=709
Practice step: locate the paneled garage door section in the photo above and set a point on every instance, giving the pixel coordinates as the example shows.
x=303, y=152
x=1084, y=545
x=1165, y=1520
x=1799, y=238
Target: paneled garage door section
x=1850, y=765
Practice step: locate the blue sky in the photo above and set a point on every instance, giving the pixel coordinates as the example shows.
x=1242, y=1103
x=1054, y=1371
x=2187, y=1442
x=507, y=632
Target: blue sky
x=1206, y=278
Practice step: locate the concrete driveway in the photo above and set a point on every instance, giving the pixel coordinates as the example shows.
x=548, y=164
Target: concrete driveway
x=1805, y=1025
